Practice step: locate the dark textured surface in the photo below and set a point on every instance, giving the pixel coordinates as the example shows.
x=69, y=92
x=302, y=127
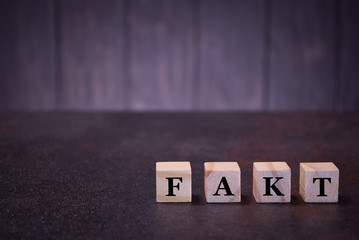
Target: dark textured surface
x=92, y=175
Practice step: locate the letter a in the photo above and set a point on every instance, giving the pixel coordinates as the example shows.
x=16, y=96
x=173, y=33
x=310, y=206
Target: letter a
x=225, y=187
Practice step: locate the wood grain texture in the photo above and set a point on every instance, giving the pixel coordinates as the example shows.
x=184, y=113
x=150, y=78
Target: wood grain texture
x=310, y=188
x=231, y=54
x=161, y=58
x=349, y=56
x=90, y=54
x=280, y=175
x=302, y=55
x=222, y=182
x=181, y=188
x=27, y=55
x=179, y=55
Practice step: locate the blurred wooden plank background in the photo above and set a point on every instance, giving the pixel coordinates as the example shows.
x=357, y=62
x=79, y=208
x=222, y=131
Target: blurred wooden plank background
x=179, y=55
x=349, y=56
x=231, y=42
x=90, y=49
x=302, y=69
x=27, y=45
x=161, y=54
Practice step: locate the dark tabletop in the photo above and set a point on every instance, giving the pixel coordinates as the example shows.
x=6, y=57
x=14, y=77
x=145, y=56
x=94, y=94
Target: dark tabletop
x=92, y=175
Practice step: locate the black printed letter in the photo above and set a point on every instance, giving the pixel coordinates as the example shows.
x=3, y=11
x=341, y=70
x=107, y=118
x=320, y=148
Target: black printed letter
x=321, y=186
x=225, y=187
x=273, y=186
x=171, y=186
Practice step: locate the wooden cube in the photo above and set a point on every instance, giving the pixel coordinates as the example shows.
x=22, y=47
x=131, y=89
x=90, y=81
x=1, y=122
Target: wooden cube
x=319, y=182
x=173, y=182
x=222, y=182
x=271, y=182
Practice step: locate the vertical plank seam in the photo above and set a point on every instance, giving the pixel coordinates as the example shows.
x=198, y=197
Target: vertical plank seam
x=127, y=49
x=57, y=53
x=337, y=96
x=267, y=54
x=196, y=91
x=53, y=51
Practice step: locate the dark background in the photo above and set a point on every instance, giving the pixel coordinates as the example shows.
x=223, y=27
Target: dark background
x=85, y=175
x=179, y=55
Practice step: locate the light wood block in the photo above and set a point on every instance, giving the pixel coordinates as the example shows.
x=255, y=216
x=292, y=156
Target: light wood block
x=319, y=182
x=222, y=182
x=173, y=182
x=271, y=182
